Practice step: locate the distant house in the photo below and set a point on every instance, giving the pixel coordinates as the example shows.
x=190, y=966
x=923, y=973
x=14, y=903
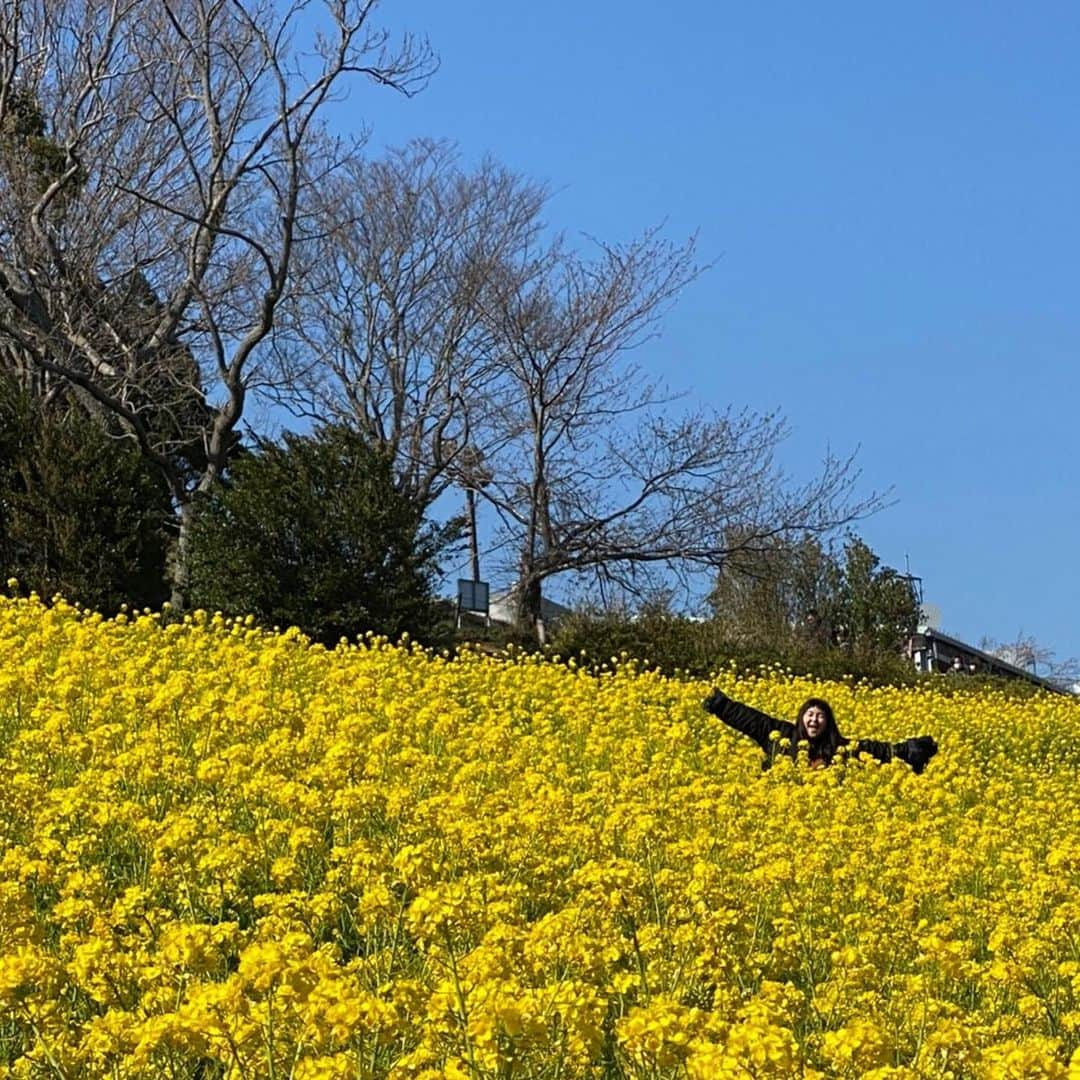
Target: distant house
x=476, y=601
x=931, y=650
x=502, y=610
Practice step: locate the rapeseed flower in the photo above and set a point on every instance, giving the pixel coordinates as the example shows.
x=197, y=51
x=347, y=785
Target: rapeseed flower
x=226, y=852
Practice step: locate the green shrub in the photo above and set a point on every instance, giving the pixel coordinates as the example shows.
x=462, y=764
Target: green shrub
x=312, y=532
x=677, y=645
x=82, y=513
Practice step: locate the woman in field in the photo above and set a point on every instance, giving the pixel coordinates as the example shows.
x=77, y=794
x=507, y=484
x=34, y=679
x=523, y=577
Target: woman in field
x=815, y=730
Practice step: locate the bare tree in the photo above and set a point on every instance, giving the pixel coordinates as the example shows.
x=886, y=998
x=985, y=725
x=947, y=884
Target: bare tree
x=393, y=338
x=596, y=475
x=443, y=322
x=144, y=259
x=1025, y=651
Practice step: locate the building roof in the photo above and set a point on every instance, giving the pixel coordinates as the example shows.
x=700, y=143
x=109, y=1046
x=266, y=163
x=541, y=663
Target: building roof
x=994, y=663
x=501, y=608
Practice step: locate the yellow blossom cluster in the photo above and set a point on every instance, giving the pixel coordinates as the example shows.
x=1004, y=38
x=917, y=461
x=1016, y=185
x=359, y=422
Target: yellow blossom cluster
x=228, y=853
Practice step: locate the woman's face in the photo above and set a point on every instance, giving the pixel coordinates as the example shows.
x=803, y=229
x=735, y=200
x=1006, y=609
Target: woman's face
x=814, y=721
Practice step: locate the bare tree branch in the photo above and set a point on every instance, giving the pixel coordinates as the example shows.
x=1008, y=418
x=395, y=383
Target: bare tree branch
x=596, y=476
x=158, y=168
x=392, y=337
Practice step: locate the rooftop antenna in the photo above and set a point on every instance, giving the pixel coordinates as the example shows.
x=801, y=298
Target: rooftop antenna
x=913, y=581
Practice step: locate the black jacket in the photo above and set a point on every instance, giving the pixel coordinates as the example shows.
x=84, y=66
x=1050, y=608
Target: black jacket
x=915, y=752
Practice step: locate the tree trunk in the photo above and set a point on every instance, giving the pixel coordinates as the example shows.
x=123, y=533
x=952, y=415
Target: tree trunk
x=529, y=614
x=179, y=578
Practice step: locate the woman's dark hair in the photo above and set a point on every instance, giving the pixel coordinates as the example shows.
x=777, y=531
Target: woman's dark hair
x=830, y=740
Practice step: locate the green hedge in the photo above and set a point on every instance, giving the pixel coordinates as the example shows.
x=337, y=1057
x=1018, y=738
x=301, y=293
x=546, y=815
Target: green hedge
x=680, y=646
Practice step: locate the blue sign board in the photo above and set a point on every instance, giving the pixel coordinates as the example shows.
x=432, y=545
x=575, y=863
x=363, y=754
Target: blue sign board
x=473, y=595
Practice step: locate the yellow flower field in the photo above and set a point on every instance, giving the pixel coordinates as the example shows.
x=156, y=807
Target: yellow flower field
x=226, y=853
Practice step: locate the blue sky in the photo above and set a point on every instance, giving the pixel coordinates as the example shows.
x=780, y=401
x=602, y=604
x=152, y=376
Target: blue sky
x=889, y=195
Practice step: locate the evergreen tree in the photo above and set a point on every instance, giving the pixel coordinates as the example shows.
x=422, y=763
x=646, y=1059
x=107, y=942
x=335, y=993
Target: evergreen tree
x=312, y=532
x=81, y=513
x=806, y=593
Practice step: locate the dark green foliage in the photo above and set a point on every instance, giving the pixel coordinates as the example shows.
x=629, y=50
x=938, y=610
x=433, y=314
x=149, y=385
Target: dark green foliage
x=877, y=604
x=311, y=532
x=24, y=138
x=81, y=512
x=676, y=644
x=494, y=639
x=804, y=596
x=797, y=606
x=164, y=389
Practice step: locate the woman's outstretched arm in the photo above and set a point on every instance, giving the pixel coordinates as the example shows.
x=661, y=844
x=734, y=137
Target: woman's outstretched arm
x=749, y=721
x=915, y=752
